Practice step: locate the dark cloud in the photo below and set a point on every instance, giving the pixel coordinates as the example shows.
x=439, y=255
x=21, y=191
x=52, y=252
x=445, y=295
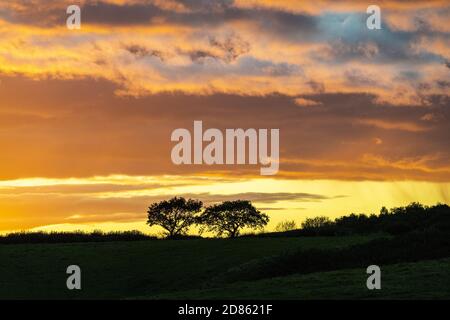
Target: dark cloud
x=409, y=75
x=141, y=51
x=106, y=13
x=316, y=86
x=349, y=39
x=358, y=78
x=199, y=55
x=252, y=66
x=206, y=5
x=226, y=50
x=198, y=14
x=443, y=84
x=233, y=46
x=260, y=197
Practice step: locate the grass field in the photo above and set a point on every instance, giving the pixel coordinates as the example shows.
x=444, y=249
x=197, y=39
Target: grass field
x=184, y=268
x=419, y=280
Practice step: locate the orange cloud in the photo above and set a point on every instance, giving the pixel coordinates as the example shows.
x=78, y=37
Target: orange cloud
x=177, y=54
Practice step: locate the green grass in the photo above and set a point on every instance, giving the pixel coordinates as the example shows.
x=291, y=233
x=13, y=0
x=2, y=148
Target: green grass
x=419, y=280
x=130, y=269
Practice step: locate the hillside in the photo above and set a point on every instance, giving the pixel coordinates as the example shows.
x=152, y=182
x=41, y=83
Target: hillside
x=420, y=280
x=324, y=259
x=130, y=269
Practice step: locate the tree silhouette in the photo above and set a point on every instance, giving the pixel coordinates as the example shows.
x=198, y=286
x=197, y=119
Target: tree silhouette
x=231, y=216
x=175, y=215
x=316, y=222
x=287, y=225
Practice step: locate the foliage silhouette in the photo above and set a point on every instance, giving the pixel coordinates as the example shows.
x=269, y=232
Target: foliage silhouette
x=317, y=223
x=414, y=217
x=396, y=221
x=230, y=216
x=399, y=220
x=175, y=215
x=66, y=237
x=284, y=226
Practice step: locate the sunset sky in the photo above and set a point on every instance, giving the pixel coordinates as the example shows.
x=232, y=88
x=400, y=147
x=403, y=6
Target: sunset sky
x=86, y=115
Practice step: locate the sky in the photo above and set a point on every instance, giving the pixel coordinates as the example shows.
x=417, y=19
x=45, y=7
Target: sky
x=86, y=115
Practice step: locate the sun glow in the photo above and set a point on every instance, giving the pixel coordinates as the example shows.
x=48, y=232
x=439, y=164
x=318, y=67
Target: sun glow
x=120, y=201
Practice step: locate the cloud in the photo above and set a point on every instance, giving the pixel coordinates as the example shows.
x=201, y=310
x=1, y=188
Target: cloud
x=151, y=47
x=78, y=188
x=306, y=102
x=260, y=197
x=390, y=125
x=80, y=128
x=48, y=202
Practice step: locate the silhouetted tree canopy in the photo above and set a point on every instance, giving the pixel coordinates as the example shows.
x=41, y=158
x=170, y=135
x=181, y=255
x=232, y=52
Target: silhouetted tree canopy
x=316, y=222
x=287, y=225
x=231, y=216
x=400, y=220
x=175, y=215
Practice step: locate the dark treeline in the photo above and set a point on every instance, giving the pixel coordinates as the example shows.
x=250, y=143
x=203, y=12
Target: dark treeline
x=396, y=221
x=400, y=220
x=63, y=237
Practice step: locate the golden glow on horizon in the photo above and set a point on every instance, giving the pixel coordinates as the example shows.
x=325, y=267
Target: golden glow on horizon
x=332, y=198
